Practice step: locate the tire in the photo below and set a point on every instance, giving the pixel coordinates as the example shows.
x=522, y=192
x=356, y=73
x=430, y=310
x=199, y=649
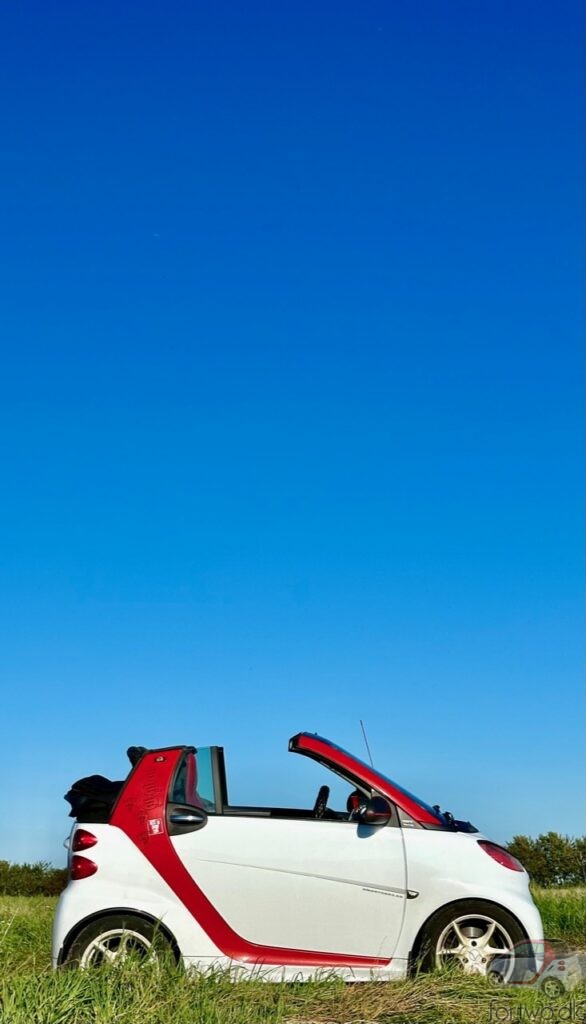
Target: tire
x=495, y=978
x=113, y=938
x=473, y=919
x=552, y=987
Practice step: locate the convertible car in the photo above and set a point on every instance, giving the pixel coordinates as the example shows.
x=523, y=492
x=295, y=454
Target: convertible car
x=163, y=864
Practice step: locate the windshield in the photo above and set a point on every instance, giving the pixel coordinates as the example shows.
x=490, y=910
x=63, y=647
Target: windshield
x=401, y=789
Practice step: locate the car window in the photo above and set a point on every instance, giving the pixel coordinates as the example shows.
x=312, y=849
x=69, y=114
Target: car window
x=194, y=782
x=528, y=949
x=401, y=789
x=269, y=792
x=205, y=778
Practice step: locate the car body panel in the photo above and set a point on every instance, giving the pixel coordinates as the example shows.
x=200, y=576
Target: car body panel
x=451, y=867
x=296, y=884
x=125, y=880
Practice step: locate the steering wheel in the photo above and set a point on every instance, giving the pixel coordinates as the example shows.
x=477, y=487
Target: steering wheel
x=353, y=804
x=321, y=802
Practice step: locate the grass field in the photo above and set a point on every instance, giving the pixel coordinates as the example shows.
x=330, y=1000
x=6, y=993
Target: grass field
x=30, y=993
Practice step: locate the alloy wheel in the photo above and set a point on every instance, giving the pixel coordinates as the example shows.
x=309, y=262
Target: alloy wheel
x=552, y=987
x=116, y=946
x=472, y=942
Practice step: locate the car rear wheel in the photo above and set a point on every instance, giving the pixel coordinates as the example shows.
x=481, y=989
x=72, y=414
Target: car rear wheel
x=471, y=936
x=117, y=938
x=552, y=987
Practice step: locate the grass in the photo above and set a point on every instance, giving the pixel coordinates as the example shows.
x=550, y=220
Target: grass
x=564, y=914
x=30, y=993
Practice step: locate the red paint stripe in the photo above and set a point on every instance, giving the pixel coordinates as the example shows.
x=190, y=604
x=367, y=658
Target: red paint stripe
x=142, y=801
x=332, y=755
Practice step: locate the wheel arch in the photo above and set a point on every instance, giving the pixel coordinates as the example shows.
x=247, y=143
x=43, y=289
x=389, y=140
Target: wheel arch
x=109, y=912
x=463, y=901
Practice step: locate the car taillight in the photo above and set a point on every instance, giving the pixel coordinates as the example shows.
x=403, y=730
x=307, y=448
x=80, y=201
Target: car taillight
x=501, y=855
x=81, y=867
x=82, y=840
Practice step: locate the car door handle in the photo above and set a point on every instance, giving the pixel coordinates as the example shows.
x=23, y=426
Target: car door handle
x=186, y=818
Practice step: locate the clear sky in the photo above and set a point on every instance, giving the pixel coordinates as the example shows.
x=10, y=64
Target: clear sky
x=291, y=398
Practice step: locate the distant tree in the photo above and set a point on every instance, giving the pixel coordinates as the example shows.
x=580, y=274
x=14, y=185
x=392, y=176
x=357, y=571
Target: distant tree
x=552, y=859
x=39, y=879
x=580, y=848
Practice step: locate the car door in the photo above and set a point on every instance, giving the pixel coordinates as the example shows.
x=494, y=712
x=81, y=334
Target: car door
x=291, y=890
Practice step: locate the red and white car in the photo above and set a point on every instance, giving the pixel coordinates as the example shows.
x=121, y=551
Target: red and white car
x=560, y=969
x=163, y=860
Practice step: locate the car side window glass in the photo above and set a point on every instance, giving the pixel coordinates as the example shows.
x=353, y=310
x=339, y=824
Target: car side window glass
x=522, y=949
x=194, y=782
x=205, y=778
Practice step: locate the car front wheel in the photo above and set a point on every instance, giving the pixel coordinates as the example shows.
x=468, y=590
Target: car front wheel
x=470, y=935
x=552, y=987
x=117, y=938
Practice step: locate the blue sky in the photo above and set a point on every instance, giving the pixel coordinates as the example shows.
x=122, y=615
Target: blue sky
x=291, y=398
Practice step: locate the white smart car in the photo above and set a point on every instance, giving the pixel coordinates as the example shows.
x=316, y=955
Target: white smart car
x=559, y=970
x=164, y=861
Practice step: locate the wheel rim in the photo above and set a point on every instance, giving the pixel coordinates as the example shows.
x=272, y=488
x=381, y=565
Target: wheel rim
x=472, y=942
x=551, y=987
x=116, y=946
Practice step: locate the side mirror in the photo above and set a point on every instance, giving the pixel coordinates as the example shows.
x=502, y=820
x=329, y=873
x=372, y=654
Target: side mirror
x=376, y=811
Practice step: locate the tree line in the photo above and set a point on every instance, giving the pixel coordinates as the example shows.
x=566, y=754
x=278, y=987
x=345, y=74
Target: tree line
x=551, y=859
x=39, y=879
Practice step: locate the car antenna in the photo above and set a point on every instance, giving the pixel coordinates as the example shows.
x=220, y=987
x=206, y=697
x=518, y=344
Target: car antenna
x=366, y=742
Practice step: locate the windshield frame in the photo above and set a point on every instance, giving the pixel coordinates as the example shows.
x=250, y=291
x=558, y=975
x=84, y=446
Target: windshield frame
x=336, y=758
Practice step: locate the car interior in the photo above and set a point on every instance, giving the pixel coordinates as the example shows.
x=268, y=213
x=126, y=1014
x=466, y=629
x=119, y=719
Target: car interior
x=92, y=798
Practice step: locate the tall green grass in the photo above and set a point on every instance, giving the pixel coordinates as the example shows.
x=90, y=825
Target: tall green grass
x=563, y=912
x=31, y=993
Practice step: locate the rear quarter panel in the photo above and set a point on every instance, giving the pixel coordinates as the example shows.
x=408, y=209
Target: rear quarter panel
x=126, y=880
